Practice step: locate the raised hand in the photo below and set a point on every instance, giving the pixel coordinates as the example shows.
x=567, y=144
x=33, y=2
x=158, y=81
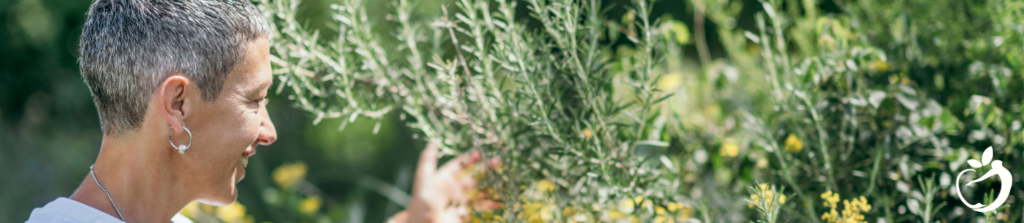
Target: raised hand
x=441, y=194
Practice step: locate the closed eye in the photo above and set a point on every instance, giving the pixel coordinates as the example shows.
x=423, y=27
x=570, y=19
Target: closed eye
x=256, y=104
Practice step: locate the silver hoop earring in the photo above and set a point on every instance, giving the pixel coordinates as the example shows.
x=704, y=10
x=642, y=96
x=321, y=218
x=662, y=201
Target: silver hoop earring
x=182, y=148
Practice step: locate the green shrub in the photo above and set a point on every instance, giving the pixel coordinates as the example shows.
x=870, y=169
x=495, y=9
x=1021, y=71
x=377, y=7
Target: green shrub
x=875, y=103
x=556, y=103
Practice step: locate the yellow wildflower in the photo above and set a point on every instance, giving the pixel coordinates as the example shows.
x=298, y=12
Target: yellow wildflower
x=309, y=205
x=670, y=81
x=852, y=210
x=288, y=175
x=675, y=207
x=572, y=215
x=484, y=217
x=672, y=213
x=233, y=212
x=662, y=219
x=684, y=213
x=587, y=133
x=206, y=208
x=729, y=148
x=545, y=186
x=626, y=206
x=793, y=144
x=644, y=203
x=538, y=212
x=569, y=211
x=769, y=195
x=613, y=214
x=878, y=66
x=830, y=198
x=190, y=209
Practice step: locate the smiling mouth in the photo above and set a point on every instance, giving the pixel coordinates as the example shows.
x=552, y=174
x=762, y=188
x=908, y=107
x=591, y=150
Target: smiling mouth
x=245, y=161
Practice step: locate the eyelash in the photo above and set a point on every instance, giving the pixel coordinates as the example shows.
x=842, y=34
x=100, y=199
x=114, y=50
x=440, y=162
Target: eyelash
x=262, y=101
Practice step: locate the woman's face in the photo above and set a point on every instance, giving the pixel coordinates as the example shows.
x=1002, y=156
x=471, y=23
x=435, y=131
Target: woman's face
x=227, y=130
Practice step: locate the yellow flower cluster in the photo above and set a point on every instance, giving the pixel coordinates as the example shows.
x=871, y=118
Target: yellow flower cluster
x=627, y=208
x=310, y=205
x=232, y=213
x=538, y=212
x=729, y=148
x=852, y=209
x=670, y=81
x=793, y=144
x=769, y=195
x=539, y=205
x=288, y=175
x=878, y=65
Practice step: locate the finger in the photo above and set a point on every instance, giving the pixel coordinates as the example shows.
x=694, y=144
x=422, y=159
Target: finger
x=428, y=163
x=463, y=213
x=494, y=163
x=458, y=194
x=461, y=162
x=487, y=205
x=449, y=214
x=467, y=182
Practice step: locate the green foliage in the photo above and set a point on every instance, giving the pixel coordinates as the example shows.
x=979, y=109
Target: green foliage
x=876, y=89
x=554, y=101
x=861, y=99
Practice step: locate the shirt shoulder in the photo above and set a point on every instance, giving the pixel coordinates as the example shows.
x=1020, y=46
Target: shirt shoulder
x=64, y=210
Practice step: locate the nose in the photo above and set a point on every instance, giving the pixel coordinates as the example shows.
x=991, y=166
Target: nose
x=267, y=132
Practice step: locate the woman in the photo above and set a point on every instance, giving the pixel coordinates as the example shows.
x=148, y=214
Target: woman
x=181, y=88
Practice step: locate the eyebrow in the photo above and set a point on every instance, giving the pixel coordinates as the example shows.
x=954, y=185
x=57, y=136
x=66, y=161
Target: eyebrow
x=263, y=85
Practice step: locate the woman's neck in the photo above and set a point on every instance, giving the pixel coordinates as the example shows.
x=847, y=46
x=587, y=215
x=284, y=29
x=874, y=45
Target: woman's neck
x=140, y=179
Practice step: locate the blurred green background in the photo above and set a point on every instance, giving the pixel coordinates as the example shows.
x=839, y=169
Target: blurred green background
x=50, y=134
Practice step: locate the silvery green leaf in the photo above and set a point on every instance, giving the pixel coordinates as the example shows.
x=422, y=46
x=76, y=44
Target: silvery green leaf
x=902, y=187
x=752, y=37
x=917, y=195
x=857, y=101
x=668, y=163
x=876, y=97
x=909, y=103
x=769, y=10
x=908, y=90
x=914, y=206
x=652, y=143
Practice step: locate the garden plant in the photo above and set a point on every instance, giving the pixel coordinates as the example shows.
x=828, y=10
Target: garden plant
x=814, y=111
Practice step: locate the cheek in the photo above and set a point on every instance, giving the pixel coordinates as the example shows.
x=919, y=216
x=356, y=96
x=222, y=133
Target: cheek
x=252, y=127
x=233, y=131
x=243, y=132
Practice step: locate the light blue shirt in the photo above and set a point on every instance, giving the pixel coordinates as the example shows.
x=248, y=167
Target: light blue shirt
x=65, y=210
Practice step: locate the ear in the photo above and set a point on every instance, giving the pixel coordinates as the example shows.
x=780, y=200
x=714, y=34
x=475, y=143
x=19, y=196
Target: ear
x=172, y=97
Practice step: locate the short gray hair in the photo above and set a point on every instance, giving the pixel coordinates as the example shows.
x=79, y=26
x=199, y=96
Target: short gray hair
x=128, y=47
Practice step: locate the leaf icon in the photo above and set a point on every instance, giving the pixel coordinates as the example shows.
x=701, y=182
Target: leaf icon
x=974, y=163
x=986, y=157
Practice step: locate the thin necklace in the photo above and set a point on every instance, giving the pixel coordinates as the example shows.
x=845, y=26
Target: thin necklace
x=105, y=192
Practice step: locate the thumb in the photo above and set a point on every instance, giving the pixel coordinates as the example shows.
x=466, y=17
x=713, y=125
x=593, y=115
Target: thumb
x=428, y=163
